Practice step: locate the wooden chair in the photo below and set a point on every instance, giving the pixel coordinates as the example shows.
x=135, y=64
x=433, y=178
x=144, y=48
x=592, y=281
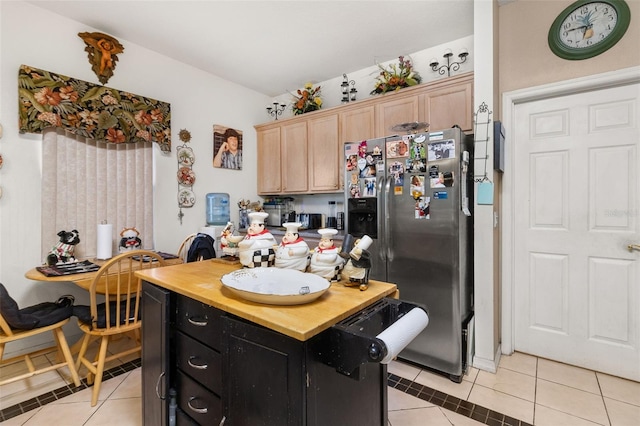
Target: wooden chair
x=8, y=335
x=184, y=247
x=117, y=315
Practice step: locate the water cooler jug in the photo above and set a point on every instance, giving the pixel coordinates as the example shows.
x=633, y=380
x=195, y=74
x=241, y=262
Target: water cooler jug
x=218, y=208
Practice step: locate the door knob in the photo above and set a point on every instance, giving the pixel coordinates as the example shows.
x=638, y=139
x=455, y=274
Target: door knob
x=633, y=247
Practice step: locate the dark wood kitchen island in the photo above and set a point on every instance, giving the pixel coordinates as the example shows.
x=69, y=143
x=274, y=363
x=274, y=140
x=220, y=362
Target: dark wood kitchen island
x=212, y=358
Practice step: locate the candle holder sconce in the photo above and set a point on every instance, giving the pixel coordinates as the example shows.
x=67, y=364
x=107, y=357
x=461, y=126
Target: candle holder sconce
x=276, y=109
x=348, y=95
x=449, y=66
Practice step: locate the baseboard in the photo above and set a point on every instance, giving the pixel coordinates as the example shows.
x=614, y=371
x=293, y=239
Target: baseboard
x=490, y=365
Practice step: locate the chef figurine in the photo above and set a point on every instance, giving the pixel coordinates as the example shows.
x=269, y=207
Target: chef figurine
x=293, y=252
x=257, y=248
x=325, y=260
x=356, y=270
x=226, y=232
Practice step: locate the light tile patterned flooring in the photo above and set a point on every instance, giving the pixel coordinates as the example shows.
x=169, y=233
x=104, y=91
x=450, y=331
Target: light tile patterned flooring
x=531, y=389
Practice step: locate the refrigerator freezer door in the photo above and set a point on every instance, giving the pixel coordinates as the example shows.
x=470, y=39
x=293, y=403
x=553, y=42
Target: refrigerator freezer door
x=427, y=257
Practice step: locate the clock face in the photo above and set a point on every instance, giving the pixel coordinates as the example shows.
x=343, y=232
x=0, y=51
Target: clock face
x=588, y=28
x=588, y=25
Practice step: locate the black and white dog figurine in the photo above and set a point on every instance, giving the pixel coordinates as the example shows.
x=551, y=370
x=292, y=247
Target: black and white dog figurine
x=62, y=252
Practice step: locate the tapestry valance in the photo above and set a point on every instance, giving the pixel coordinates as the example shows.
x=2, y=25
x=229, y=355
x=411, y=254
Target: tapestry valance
x=90, y=110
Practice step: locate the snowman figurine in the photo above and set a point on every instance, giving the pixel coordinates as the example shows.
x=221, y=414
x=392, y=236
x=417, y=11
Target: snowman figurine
x=257, y=247
x=325, y=260
x=293, y=251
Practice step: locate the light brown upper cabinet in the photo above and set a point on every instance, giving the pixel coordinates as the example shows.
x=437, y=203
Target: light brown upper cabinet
x=294, y=158
x=448, y=106
x=304, y=154
x=324, y=154
x=268, y=151
x=357, y=124
x=392, y=111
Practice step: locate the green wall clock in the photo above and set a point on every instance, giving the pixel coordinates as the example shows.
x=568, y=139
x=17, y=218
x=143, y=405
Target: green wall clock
x=588, y=28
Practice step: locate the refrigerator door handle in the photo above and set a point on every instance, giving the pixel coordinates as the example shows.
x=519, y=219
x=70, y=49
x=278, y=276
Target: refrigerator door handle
x=382, y=254
x=387, y=219
x=464, y=197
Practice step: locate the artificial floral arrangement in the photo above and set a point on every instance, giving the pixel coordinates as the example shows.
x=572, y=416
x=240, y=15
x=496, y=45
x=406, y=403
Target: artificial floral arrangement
x=396, y=77
x=307, y=100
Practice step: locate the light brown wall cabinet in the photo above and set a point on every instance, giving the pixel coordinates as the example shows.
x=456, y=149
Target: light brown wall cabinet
x=269, y=179
x=294, y=158
x=303, y=154
x=395, y=111
x=448, y=106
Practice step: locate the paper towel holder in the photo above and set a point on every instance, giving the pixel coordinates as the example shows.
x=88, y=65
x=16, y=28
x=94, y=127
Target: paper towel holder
x=352, y=342
x=104, y=241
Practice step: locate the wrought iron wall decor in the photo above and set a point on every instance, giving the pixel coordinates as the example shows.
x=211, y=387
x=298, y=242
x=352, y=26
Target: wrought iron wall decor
x=186, y=175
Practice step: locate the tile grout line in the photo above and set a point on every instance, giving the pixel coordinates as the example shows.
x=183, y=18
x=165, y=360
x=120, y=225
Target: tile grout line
x=438, y=398
x=63, y=391
x=443, y=400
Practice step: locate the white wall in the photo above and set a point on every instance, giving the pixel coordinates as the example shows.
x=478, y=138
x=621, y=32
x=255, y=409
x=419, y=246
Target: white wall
x=32, y=36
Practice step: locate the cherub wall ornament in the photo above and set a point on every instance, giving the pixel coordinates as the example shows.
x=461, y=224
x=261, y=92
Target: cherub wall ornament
x=102, y=50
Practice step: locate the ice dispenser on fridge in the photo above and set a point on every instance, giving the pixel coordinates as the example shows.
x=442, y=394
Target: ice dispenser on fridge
x=362, y=216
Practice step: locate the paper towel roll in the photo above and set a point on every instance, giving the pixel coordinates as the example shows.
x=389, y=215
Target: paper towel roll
x=104, y=241
x=402, y=332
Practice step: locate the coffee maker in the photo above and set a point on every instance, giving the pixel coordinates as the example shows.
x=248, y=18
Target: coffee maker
x=280, y=211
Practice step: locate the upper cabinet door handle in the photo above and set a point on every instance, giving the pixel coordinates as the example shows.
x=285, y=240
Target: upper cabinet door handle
x=633, y=247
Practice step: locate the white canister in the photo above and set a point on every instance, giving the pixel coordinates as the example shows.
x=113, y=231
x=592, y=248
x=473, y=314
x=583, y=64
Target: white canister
x=364, y=243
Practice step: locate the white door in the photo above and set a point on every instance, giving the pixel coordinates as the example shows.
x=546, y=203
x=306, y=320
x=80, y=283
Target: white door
x=576, y=193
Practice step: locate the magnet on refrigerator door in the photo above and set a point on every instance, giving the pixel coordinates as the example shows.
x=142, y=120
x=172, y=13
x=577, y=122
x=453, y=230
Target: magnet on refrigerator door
x=422, y=208
x=354, y=190
x=370, y=187
x=417, y=186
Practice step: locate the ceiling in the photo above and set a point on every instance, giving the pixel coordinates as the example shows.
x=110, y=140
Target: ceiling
x=275, y=46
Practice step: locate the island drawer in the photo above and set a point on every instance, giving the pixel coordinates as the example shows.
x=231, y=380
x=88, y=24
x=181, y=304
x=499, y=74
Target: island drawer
x=183, y=420
x=200, y=321
x=199, y=361
x=198, y=403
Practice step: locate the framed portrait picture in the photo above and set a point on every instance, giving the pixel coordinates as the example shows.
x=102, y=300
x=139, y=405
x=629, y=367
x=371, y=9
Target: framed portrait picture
x=227, y=147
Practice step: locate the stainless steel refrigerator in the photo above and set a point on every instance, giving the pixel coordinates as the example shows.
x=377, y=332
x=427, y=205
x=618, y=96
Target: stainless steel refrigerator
x=412, y=194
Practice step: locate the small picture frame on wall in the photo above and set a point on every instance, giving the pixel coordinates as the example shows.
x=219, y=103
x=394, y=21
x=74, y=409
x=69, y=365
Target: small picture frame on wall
x=227, y=147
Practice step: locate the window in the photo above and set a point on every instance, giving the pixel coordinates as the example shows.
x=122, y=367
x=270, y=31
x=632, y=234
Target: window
x=85, y=182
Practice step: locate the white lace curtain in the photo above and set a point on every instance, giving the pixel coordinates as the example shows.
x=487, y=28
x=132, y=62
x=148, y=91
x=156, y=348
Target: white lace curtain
x=85, y=182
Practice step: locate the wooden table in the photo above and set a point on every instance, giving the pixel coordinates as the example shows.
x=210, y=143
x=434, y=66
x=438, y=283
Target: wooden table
x=201, y=281
x=82, y=280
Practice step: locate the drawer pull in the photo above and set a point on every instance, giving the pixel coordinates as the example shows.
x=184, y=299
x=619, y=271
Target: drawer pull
x=198, y=323
x=196, y=366
x=194, y=409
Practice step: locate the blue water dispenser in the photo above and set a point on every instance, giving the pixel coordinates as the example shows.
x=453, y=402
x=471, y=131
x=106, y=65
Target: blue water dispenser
x=218, y=208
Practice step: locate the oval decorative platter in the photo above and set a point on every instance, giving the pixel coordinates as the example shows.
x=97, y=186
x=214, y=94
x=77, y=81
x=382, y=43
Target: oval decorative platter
x=275, y=286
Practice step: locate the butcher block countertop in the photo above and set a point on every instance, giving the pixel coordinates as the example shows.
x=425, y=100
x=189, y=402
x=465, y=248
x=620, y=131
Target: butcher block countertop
x=201, y=281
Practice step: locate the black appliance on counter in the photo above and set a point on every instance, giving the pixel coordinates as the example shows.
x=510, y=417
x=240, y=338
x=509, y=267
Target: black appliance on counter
x=309, y=220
